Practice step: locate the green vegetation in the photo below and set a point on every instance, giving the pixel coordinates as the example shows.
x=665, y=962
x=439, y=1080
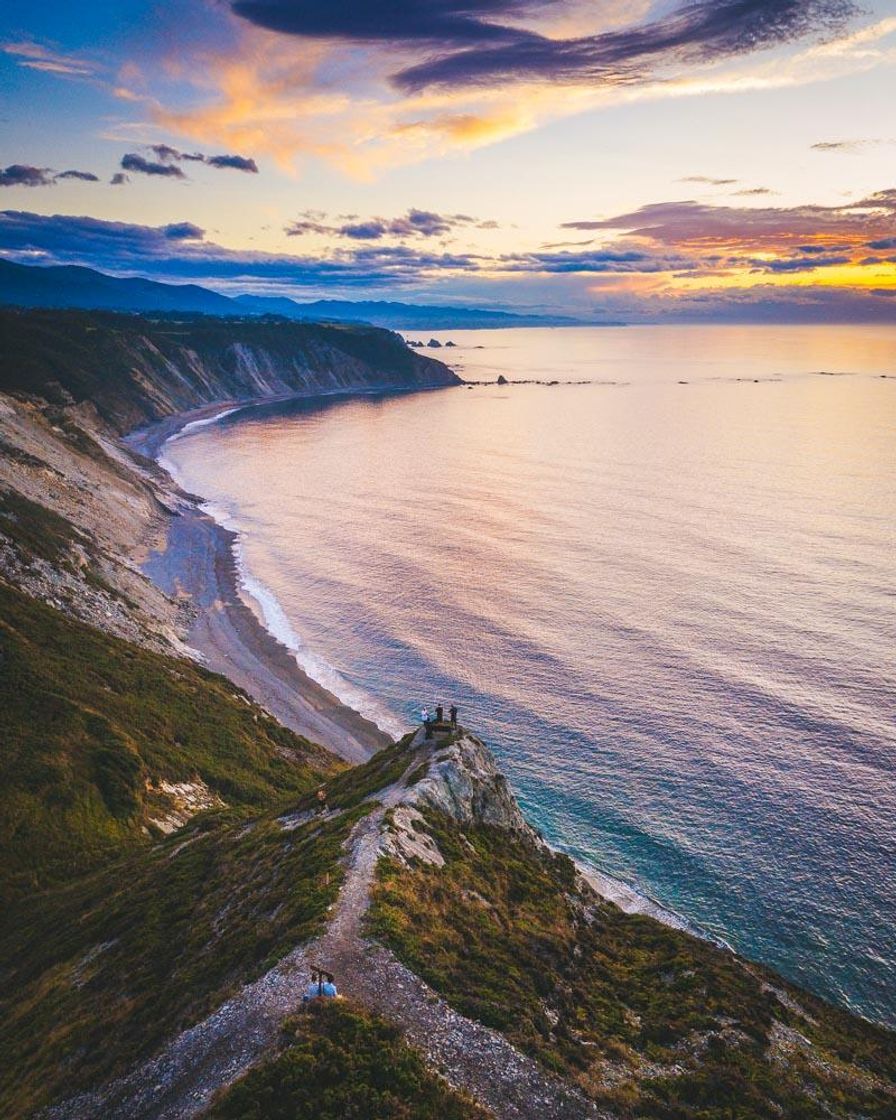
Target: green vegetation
x=37, y=532
x=349, y=788
x=122, y=363
x=97, y=975
x=131, y=936
x=648, y=1020
x=89, y=720
x=343, y=1063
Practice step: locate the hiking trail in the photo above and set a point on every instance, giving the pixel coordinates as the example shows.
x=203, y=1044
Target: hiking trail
x=181, y=1081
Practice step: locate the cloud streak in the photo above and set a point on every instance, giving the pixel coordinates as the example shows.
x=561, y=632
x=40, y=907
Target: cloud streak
x=487, y=41
x=37, y=56
x=142, y=166
x=166, y=154
x=166, y=163
x=707, y=180
x=83, y=176
x=847, y=147
x=695, y=32
x=415, y=223
x=367, y=85
x=698, y=224
x=23, y=175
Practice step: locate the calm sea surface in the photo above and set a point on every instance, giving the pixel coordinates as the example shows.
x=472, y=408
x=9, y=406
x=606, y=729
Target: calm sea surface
x=667, y=599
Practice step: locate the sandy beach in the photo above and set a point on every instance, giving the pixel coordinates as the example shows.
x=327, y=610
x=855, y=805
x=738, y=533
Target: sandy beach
x=196, y=565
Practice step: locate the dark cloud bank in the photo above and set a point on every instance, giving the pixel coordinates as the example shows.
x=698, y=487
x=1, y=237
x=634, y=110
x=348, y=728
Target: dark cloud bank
x=468, y=42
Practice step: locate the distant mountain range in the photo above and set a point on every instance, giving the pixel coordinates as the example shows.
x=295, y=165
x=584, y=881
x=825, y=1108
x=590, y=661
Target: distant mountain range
x=54, y=286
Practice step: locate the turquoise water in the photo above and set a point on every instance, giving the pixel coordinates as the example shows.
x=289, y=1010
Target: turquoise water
x=669, y=607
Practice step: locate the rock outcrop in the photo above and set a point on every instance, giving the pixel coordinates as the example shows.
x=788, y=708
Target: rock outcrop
x=461, y=780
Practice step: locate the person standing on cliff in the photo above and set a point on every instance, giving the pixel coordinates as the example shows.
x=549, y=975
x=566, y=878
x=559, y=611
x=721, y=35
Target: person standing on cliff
x=440, y=712
x=453, y=714
x=425, y=716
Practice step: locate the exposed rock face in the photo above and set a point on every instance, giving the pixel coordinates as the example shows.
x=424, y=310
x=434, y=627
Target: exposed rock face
x=463, y=781
x=176, y=803
x=65, y=461
x=407, y=838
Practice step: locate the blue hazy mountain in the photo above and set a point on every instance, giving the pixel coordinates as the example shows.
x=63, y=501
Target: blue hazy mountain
x=55, y=286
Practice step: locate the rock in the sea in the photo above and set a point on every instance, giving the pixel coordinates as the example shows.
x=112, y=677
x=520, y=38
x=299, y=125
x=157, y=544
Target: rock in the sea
x=502, y=380
x=434, y=344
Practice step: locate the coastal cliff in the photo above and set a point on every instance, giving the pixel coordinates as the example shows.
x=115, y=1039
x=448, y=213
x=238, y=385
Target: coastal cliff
x=170, y=873
x=104, y=535
x=136, y=370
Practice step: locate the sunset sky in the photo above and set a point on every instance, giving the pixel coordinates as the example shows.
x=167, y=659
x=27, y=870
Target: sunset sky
x=710, y=159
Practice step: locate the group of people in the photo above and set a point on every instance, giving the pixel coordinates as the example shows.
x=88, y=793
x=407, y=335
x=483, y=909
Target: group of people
x=430, y=722
x=440, y=715
x=320, y=987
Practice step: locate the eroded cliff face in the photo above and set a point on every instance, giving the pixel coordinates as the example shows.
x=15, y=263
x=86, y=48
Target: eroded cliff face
x=137, y=370
x=460, y=778
x=77, y=516
x=463, y=781
x=78, y=513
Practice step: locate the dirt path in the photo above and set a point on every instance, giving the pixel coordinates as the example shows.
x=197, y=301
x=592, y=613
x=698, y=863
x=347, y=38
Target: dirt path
x=180, y=1082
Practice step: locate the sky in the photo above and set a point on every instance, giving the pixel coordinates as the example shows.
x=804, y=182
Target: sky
x=647, y=160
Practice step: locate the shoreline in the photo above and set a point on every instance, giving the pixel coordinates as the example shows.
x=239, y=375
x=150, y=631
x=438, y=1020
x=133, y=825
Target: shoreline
x=197, y=566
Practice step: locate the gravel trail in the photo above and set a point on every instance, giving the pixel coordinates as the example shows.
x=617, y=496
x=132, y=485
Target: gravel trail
x=180, y=1082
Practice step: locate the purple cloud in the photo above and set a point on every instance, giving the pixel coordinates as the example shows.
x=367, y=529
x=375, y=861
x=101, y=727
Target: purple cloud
x=22, y=175
x=235, y=163
x=690, y=222
x=134, y=162
x=168, y=156
x=415, y=223
x=84, y=176
x=183, y=231
x=471, y=42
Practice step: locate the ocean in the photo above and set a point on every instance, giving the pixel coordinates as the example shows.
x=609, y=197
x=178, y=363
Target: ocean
x=665, y=598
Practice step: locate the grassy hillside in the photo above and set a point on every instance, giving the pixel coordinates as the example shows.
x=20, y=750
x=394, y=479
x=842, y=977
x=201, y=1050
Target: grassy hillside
x=341, y=1062
x=648, y=1020
x=137, y=369
x=98, y=973
x=92, y=724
